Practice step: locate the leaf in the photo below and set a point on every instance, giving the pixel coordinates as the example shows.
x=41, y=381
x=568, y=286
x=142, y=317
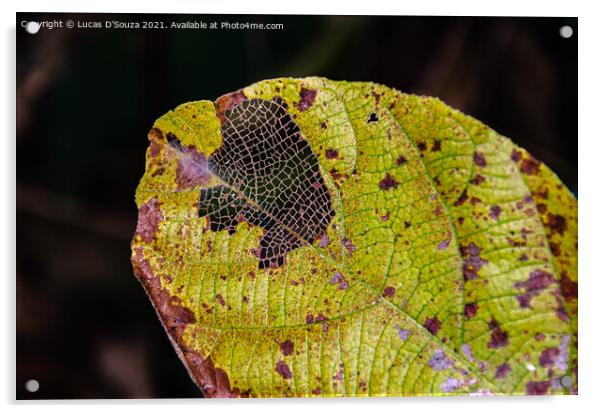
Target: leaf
x=306, y=237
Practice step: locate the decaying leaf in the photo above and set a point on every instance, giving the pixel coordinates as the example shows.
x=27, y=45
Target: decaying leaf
x=306, y=237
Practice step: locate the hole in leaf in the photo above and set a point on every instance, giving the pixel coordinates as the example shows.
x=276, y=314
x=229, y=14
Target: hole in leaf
x=271, y=179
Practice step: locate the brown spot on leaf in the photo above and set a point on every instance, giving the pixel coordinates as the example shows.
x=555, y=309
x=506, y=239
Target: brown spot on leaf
x=317, y=391
x=385, y=217
x=561, y=312
x=287, y=347
x=158, y=171
x=388, y=182
x=502, y=371
x=477, y=180
x=220, y=300
x=376, y=96
x=530, y=166
x=338, y=376
x=555, y=248
x=516, y=155
x=538, y=280
x=335, y=174
x=155, y=136
x=557, y=223
x=212, y=380
x=499, y=337
x=228, y=102
x=470, y=310
x=495, y=212
x=401, y=160
x=363, y=385
x=306, y=98
x=331, y=153
x=338, y=278
x=543, y=194
x=433, y=325
x=444, y=244
x=472, y=261
x=436, y=147
x=536, y=388
x=461, y=199
x=568, y=287
x=524, y=232
x=149, y=218
x=349, y=247
x=479, y=159
x=548, y=357
x=283, y=369
x=524, y=300
x=389, y=292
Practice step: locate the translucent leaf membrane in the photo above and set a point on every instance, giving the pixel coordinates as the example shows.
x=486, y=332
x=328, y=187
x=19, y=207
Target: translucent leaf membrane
x=306, y=237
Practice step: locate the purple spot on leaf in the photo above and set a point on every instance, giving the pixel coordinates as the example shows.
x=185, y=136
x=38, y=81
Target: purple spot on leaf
x=432, y=325
x=479, y=159
x=450, y=384
x=286, y=347
x=439, y=361
x=402, y=333
x=283, y=369
x=444, y=244
x=502, y=371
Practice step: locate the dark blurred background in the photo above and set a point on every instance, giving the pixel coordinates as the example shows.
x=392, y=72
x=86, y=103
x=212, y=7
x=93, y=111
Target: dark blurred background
x=86, y=99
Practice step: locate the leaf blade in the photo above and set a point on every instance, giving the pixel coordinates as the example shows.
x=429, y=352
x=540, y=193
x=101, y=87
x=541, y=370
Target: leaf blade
x=409, y=159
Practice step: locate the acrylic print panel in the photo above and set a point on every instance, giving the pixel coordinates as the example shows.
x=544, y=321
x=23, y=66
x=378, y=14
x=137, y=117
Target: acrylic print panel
x=296, y=236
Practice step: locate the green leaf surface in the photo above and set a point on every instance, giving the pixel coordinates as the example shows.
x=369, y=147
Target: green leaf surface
x=308, y=237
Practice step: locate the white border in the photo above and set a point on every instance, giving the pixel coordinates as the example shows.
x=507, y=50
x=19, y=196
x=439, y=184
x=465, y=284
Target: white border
x=590, y=150
x=375, y=7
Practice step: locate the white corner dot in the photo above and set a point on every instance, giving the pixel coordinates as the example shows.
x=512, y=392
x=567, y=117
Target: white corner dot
x=566, y=381
x=32, y=27
x=32, y=386
x=566, y=31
